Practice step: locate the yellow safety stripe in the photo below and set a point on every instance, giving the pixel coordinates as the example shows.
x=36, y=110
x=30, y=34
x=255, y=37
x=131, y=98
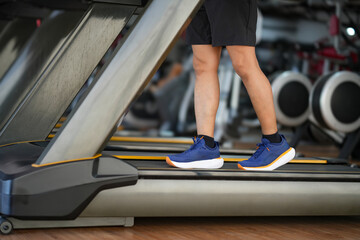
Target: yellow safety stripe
x=133, y=157
x=59, y=124
x=66, y=161
x=309, y=161
x=140, y=157
x=140, y=139
x=8, y=144
x=151, y=140
x=234, y=159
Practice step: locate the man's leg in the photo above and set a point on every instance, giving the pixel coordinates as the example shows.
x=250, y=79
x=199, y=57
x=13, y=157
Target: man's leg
x=257, y=85
x=206, y=93
x=273, y=151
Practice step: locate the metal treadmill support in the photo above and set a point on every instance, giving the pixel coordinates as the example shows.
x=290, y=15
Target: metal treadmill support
x=79, y=222
x=130, y=69
x=66, y=73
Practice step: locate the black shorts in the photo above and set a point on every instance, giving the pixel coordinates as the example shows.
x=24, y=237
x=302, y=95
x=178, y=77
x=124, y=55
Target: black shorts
x=224, y=23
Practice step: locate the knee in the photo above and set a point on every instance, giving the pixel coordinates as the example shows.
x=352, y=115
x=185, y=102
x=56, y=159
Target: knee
x=245, y=65
x=202, y=66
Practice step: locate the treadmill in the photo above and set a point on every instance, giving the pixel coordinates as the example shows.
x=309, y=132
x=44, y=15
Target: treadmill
x=73, y=180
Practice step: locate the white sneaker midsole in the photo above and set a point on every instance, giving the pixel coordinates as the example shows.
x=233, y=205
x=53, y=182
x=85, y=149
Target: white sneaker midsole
x=208, y=163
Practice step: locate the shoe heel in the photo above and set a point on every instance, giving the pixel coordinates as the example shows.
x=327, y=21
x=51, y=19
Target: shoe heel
x=287, y=157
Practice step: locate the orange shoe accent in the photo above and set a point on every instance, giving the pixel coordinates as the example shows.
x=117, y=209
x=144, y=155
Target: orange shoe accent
x=240, y=167
x=168, y=161
x=274, y=160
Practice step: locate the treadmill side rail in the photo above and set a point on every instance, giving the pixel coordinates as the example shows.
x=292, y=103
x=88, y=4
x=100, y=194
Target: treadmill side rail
x=78, y=222
x=180, y=198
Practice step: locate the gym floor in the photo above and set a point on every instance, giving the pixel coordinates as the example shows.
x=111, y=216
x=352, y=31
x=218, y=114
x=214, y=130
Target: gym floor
x=259, y=228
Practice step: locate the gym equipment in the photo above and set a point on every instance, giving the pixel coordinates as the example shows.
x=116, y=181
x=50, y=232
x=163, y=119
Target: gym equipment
x=167, y=17
x=144, y=113
x=226, y=79
x=151, y=191
x=335, y=104
x=291, y=91
x=157, y=144
x=66, y=182
x=170, y=98
x=335, y=101
x=186, y=118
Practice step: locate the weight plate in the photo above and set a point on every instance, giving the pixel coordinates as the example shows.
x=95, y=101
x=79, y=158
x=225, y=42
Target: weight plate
x=340, y=101
x=315, y=96
x=291, y=92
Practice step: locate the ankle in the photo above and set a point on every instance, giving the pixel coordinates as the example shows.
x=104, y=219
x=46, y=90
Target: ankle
x=209, y=141
x=273, y=138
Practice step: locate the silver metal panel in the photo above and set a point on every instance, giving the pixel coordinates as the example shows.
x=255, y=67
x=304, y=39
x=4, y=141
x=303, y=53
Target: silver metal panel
x=293, y=172
x=12, y=39
x=66, y=73
x=227, y=198
x=78, y=222
x=33, y=59
x=126, y=75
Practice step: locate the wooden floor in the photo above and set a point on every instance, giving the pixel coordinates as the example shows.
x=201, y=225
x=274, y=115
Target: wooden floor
x=248, y=228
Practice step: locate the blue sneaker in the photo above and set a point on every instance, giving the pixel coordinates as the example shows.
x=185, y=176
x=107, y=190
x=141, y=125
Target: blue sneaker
x=199, y=155
x=269, y=156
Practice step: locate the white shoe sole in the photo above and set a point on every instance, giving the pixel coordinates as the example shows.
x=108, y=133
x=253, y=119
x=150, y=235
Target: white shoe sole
x=208, y=163
x=280, y=161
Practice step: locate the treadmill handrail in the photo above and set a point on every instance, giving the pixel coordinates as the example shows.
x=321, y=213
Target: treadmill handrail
x=123, y=79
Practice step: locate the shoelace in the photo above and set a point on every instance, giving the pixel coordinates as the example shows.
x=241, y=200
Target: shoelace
x=260, y=148
x=195, y=140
